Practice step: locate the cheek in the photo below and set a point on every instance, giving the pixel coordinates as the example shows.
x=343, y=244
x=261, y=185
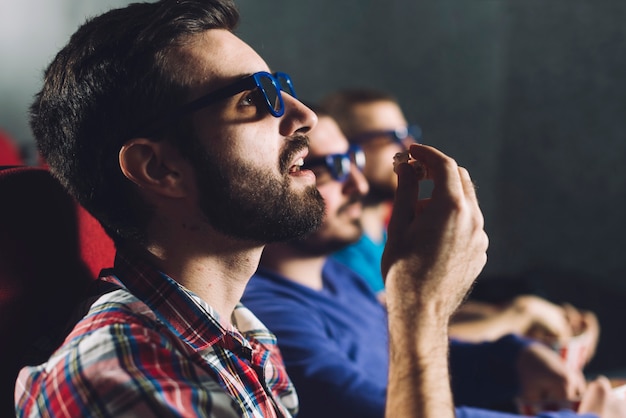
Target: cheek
x=253, y=146
x=379, y=160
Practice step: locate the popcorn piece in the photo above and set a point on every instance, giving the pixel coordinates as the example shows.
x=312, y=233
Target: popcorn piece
x=405, y=157
x=400, y=157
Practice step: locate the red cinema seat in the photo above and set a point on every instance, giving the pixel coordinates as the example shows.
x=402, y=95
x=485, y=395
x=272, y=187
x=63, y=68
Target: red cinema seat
x=9, y=151
x=50, y=249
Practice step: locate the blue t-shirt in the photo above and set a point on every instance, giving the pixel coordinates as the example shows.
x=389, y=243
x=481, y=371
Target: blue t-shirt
x=335, y=345
x=364, y=258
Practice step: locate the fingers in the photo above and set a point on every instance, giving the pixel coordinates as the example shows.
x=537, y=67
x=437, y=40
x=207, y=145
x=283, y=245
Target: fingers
x=471, y=200
x=406, y=197
x=596, y=395
x=544, y=376
x=450, y=182
x=592, y=331
x=574, y=317
x=569, y=386
x=441, y=169
x=577, y=385
x=440, y=240
x=547, y=322
x=554, y=319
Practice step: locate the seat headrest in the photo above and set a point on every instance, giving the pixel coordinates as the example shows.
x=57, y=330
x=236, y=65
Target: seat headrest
x=50, y=250
x=9, y=151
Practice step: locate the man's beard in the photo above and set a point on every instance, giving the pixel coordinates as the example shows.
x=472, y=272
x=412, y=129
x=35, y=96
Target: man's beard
x=249, y=203
x=330, y=239
x=378, y=193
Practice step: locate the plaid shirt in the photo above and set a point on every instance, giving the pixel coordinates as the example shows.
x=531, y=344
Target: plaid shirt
x=152, y=348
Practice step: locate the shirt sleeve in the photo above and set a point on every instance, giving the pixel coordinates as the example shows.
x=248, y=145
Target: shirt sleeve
x=141, y=374
x=319, y=368
x=484, y=374
x=466, y=412
x=327, y=382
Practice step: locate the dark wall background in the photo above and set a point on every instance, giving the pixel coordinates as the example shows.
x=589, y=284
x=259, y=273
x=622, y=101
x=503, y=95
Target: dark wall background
x=529, y=95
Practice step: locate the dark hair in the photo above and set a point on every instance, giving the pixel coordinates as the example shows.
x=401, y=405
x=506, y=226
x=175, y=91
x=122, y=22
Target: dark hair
x=115, y=76
x=341, y=103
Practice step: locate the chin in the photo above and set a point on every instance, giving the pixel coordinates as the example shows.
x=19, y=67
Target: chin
x=336, y=245
x=352, y=237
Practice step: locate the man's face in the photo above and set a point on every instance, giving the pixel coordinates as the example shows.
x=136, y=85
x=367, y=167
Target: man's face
x=379, y=152
x=342, y=223
x=249, y=185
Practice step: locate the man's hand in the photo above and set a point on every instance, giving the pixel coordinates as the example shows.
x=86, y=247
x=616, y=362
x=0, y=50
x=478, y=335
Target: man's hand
x=584, y=322
x=435, y=249
x=545, y=376
x=544, y=321
x=600, y=400
x=526, y=315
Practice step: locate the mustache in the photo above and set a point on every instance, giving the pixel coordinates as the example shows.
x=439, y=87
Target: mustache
x=294, y=145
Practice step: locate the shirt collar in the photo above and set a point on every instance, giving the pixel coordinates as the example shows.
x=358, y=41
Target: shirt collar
x=178, y=308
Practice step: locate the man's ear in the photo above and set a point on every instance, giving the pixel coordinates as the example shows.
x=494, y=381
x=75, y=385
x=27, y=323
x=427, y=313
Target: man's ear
x=154, y=165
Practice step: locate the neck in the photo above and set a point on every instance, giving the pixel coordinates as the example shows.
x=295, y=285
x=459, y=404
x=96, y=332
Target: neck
x=374, y=220
x=214, y=266
x=295, y=264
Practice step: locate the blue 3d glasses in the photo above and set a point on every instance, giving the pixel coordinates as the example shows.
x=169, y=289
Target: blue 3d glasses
x=269, y=85
x=338, y=165
x=400, y=135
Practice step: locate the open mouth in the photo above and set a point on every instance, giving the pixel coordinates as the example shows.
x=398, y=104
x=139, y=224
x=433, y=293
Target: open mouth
x=297, y=166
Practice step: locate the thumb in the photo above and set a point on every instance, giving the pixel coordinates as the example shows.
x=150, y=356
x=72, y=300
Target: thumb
x=595, y=396
x=405, y=200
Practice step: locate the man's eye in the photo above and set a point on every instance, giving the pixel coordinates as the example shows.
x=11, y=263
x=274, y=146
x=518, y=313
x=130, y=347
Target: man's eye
x=251, y=98
x=248, y=99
